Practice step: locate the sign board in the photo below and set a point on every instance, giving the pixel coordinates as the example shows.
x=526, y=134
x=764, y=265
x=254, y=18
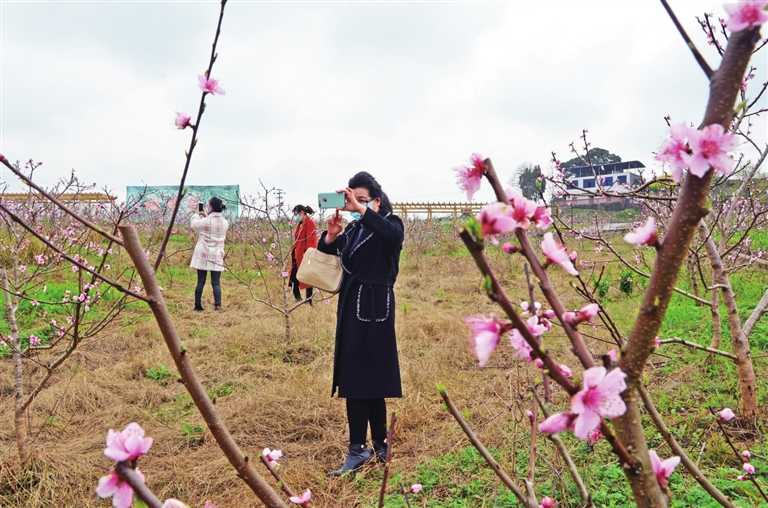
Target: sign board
x=159, y=200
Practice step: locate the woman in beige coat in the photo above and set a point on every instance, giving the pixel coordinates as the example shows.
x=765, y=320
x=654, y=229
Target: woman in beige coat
x=209, y=251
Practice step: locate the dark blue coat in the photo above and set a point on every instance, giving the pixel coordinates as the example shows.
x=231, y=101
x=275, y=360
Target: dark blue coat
x=365, y=358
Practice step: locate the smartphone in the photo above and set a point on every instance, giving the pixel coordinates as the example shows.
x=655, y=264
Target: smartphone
x=331, y=200
x=199, y=207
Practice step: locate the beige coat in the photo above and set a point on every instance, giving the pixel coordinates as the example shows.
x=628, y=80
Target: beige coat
x=211, y=234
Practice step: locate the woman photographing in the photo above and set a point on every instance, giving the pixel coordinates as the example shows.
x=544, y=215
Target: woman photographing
x=366, y=369
x=304, y=237
x=208, y=256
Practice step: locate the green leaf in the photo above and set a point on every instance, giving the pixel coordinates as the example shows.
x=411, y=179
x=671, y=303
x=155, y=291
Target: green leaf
x=473, y=227
x=487, y=284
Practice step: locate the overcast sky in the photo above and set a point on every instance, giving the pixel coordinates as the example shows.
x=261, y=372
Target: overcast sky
x=316, y=91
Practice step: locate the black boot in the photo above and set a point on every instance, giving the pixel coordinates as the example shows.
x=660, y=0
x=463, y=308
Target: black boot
x=199, y=308
x=380, y=447
x=357, y=457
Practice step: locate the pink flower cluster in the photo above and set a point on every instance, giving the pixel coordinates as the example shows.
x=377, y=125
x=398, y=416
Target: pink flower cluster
x=470, y=176
x=272, y=456
x=302, y=499
x=586, y=313
x=698, y=150
x=209, y=85
x=644, y=235
x=555, y=253
x=600, y=397
x=128, y=444
x=548, y=502
x=501, y=218
x=663, y=468
x=746, y=14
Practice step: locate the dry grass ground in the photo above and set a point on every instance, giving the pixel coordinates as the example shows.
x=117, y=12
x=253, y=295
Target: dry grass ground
x=273, y=394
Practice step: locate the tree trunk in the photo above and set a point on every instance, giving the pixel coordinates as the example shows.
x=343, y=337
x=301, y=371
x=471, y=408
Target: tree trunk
x=717, y=327
x=20, y=427
x=746, y=372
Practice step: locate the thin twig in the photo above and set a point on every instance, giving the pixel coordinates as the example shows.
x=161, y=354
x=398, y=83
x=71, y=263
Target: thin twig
x=503, y=476
x=697, y=474
x=388, y=460
x=192, y=144
x=693, y=345
x=688, y=42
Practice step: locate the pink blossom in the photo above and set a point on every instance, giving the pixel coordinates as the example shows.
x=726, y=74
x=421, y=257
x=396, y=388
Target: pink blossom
x=182, y=120
x=674, y=148
x=558, y=422
x=272, y=455
x=303, y=499
x=209, y=504
x=542, y=217
x=535, y=327
x=539, y=363
x=657, y=341
x=565, y=370
x=270, y=256
x=2, y=158
x=209, y=85
x=550, y=314
x=40, y=259
x=748, y=468
x=599, y=398
x=34, y=340
x=416, y=488
x=663, y=469
x=485, y=336
x=470, y=177
x=746, y=14
x=556, y=253
x=613, y=355
x=741, y=478
x=526, y=306
x=522, y=348
x=174, y=503
x=284, y=274
x=22, y=268
x=495, y=219
x=746, y=454
x=129, y=444
x=643, y=235
x=710, y=146
x=120, y=491
x=548, y=502
x=726, y=414
x=522, y=209
x=586, y=313
x=509, y=248
x=594, y=436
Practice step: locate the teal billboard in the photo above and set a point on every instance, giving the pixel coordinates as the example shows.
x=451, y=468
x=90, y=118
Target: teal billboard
x=159, y=200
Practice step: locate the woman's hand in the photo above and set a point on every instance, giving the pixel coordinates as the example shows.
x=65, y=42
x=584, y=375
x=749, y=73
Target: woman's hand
x=352, y=204
x=334, y=228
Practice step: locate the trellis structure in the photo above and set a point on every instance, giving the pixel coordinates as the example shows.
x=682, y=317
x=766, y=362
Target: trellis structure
x=454, y=209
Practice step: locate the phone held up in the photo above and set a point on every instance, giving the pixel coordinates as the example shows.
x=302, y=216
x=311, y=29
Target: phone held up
x=199, y=207
x=331, y=200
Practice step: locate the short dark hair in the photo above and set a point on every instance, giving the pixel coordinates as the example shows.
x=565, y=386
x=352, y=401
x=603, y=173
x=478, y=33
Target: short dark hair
x=216, y=204
x=366, y=180
x=301, y=208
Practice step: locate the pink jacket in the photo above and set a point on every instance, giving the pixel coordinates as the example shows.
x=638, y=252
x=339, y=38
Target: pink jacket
x=211, y=234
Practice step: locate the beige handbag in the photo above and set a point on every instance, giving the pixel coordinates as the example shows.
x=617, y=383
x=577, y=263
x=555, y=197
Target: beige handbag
x=320, y=270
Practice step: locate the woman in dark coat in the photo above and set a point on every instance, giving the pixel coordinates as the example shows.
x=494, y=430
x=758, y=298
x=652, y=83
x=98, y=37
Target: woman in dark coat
x=366, y=369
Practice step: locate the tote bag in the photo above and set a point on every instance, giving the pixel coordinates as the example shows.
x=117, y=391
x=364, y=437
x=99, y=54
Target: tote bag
x=320, y=270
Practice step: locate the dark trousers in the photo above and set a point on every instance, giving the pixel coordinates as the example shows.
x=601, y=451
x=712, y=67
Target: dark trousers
x=295, y=284
x=360, y=413
x=215, y=284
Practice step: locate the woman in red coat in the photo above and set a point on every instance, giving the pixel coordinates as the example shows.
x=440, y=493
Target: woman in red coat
x=304, y=237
